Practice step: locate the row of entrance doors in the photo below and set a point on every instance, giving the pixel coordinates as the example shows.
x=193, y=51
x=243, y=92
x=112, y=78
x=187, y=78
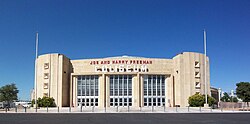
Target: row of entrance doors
x=121, y=90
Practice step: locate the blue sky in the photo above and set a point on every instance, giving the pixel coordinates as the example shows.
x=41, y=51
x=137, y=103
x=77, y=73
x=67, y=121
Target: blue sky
x=101, y=28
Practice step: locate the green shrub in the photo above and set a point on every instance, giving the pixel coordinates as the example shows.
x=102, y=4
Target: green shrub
x=198, y=100
x=44, y=102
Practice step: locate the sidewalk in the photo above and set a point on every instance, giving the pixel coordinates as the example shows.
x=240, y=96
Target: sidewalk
x=124, y=110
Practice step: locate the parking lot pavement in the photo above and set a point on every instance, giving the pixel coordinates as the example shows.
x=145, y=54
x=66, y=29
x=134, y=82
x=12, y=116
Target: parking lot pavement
x=125, y=118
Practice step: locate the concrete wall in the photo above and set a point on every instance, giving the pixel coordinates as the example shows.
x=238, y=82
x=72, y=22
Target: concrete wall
x=56, y=75
x=186, y=73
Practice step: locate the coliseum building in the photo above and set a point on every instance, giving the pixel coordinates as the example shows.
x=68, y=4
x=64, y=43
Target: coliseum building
x=121, y=81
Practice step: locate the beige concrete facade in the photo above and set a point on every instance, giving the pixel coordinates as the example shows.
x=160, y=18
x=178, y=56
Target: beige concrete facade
x=183, y=75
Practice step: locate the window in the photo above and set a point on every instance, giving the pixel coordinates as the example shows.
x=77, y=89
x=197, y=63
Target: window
x=197, y=74
x=87, y=90
x=45, y=86
x=120, y=90
x=46, y=65
x=45, y=94
x=46, y=75
x=197, y=85
x=154, y=90
x=196, y=64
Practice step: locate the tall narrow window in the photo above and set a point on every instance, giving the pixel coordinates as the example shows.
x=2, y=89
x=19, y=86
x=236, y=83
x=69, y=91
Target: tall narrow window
x=87, y=90
x=154, y=90
x=121, y=90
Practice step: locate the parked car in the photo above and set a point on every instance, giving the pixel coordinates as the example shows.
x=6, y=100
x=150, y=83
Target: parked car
x=27, y=105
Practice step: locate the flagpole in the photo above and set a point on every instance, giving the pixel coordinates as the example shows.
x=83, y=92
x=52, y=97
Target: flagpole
x=36, y=70
x=205, y=59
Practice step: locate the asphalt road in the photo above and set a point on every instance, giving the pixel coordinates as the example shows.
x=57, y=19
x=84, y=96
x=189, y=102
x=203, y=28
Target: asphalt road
x=124, y=118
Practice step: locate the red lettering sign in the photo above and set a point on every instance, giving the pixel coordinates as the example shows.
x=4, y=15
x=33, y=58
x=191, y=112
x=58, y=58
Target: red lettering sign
x=107, y=62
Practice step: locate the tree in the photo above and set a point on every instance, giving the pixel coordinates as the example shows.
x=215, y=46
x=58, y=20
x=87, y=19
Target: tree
x=234, y=99
x=211, y=101
x=243, y=91
x=198, y=100
x=8, y=93
x=225, y=98
x=39, y=102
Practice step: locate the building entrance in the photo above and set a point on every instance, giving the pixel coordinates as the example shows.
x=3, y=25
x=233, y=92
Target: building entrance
x=87, y=90
x=154, y=90
x=120, y=90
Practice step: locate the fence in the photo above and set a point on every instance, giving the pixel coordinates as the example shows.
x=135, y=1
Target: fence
x=124, y=110
x=231, y=105
x=240, y=106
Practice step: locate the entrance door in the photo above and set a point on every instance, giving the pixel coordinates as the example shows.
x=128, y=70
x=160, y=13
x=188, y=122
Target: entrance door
x=87, y=90
x=120, y=90
x=154, y=90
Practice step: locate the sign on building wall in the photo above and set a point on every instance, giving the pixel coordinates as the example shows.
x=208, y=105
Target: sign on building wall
x=121, y=65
